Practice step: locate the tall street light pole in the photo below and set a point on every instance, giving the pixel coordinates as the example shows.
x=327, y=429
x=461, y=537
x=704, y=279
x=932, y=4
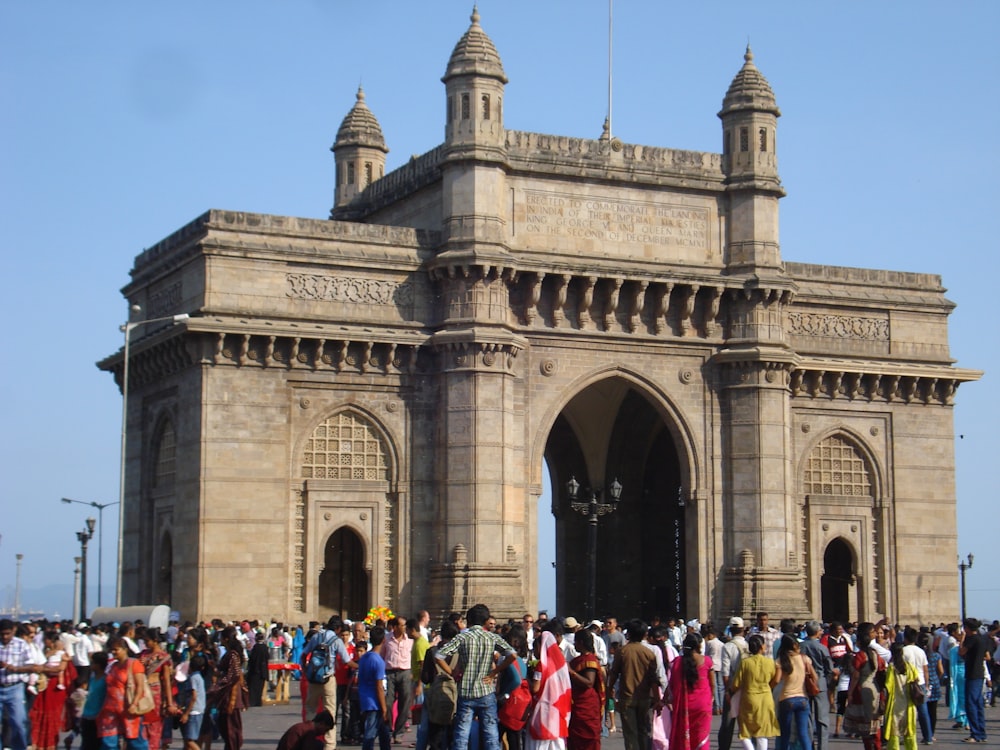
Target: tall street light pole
x=963, y=566
x=76, y=585
x=17, y=587
x=100, y=541
x=127, y=329
x=83, y=537
x=593, y=509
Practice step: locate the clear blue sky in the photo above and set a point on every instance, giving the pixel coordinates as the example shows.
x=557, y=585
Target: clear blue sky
x=122, y=121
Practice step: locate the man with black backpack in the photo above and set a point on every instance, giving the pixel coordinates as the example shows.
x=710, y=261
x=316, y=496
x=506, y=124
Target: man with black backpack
x=319, y=660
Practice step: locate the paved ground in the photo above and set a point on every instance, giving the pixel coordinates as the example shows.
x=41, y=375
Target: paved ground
x=263, y=727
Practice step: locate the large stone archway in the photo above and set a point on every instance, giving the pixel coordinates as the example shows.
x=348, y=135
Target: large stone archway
x=622, y=310
x=611, y=431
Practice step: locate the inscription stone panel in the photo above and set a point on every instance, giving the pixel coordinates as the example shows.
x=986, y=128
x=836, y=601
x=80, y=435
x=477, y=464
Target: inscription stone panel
x=617, y=226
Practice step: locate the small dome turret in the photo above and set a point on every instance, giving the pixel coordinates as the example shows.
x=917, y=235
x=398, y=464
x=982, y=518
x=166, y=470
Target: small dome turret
x=359, y=152
x=749, y=90
x=360, y=128
x=475, y=55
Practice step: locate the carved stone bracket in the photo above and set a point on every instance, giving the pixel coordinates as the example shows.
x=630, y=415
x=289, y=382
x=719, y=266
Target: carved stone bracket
x=871, y=386
x=367, y=355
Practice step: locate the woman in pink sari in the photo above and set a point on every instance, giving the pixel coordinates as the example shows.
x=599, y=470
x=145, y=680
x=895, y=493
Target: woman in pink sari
x=548, y=726
x=691, y=689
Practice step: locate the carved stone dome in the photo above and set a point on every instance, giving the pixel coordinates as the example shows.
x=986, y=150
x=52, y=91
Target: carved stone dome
x=475, y=55
x=749, y=90
x=360, y=128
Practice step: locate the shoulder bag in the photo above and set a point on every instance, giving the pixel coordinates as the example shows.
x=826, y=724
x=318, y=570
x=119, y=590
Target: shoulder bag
x=138, y=698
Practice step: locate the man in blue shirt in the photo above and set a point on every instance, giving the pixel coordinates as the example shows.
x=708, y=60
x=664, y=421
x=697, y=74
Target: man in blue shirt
x=371, y=694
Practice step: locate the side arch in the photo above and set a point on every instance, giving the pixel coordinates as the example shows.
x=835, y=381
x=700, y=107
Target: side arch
x=842, y=486
x=346, y=471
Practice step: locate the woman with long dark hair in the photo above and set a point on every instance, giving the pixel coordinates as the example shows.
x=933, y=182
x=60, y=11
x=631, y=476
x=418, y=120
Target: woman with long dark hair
x=793, y=707
x=509, y=680
x=753, y=681
x=863, y=715
x=935, y=671
x=691, y=689
x=900, y=712
x=229, y=693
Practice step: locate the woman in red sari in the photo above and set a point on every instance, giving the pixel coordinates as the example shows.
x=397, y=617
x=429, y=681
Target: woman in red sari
x=588, y=695
x=691, y=685
x=48, y=712
x=159, y=671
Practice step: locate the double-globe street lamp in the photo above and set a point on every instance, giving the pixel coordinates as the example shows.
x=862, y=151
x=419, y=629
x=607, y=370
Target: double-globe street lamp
x=593, y=508
x=83, y=537
x=127, y=329
x=100, y=540
x=964, y=565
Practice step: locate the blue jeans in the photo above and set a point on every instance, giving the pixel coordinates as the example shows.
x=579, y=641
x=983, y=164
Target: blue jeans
x=924, y=720
x=793, y=715
x=974, y=708
x=12, y=710
x=375, y=726
x=485, y=709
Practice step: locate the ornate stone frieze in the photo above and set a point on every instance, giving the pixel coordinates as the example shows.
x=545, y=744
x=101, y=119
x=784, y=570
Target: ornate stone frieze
x=838, y=326
x=346, y=289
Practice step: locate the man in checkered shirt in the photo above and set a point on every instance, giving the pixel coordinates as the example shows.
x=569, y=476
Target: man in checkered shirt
x=476, y=690
x=15, y=666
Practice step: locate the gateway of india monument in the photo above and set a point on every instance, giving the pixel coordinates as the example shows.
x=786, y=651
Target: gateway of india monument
x=358, y=410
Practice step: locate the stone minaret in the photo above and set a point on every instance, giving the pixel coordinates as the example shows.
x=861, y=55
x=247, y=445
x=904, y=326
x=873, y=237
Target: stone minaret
x=763, y=554
x=474, y=185
x=359, y=151
x=481, y=517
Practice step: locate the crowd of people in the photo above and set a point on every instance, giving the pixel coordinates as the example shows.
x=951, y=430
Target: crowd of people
x=527, y=684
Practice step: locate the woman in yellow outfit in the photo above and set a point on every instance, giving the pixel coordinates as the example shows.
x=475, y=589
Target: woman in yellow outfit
x=753, y=681
x=900, y=712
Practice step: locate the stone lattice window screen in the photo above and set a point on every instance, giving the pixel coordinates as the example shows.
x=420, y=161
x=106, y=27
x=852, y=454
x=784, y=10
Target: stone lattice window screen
x=345, y=446
x=835, y=467
x=166, y=457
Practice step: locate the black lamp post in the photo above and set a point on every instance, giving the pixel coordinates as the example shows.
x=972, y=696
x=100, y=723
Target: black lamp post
x=100, y=540
x=593, y=509
x=964, y=565
x=83, y=537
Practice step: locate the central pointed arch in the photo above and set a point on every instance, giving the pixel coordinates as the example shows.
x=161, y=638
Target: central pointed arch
x=613, y=425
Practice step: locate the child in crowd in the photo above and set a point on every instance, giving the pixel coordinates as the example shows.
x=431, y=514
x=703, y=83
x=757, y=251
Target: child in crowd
x=96, y=691
x=355, y=728
x=194, y=710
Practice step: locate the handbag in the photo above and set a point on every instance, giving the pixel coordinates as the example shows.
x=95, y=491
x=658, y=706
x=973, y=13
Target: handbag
x=811, y=682
x=513, y=714
x=145, y=703
x=917, y=693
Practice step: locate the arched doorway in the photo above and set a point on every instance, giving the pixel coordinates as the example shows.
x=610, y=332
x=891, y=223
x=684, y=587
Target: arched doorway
x=838, y=576
x=343, y=582
x=608, y=431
